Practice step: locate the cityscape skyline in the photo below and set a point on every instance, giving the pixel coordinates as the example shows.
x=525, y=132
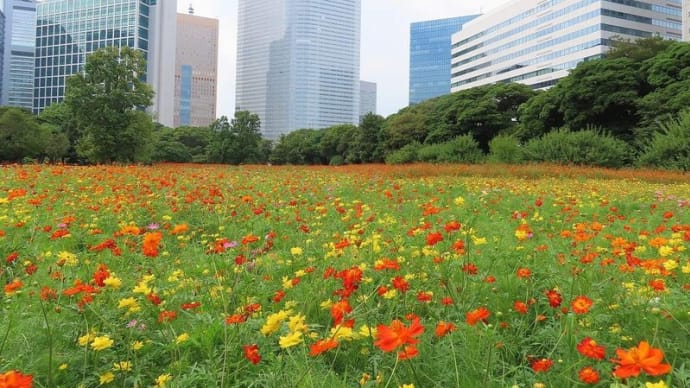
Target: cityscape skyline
x=384, y=43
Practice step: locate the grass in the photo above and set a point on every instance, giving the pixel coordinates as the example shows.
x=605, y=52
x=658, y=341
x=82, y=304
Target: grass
x=343, y=276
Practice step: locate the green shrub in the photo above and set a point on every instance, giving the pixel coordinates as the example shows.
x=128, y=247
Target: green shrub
x=407, y=154
x=337, y=160
x=590, y=147
x=670, y=147
x=462, y=149
x=505, y=149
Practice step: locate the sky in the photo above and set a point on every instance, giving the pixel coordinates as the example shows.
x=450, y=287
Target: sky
x=384, y=48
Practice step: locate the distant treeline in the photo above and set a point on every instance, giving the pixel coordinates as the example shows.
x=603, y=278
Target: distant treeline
x=630, y=108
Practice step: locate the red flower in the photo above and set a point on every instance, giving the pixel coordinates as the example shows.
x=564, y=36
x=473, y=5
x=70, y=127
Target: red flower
x=321, y=346
x=541, y=365
x=251, y=353
x=153, y=298
x=151, y=244
x=581, y=305
x=424, y=296
x=409, y=351
x=433, y=238
x=443, y=328
x=524, y=273
x=588, y=375
x=11, y=257
x=389, y=338
x=401, y=284
x=235, y=319
x=452, y=226
x=520, y=307
x=278, y=296
x=248, y=239
x=166, y=316
x=641, y=358
x=15, y=379
x=474, y=316
x=191, y=305
x=589, y=348
x=555, y=298
x=339, y=310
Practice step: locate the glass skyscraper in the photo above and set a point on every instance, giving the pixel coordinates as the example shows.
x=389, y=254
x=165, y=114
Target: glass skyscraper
x=298, y=63
x=537, y=42
x=430, y=56
x=18, y=53
x=67, y=31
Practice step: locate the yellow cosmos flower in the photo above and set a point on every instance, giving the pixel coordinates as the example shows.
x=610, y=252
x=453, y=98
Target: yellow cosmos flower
x=63, y=366
x=670, y=265
x=273, y=322
x=459, y=201
x=407, y=386
x=68, y=258
x=665, y=251
x=342, y=333
x=162, y=380
x=106, y=378
x=129, y=303
x=182, y=338
x=86, y=338
x=686, y=268
x=291, y=339
x=122, y=366
x=366, y=331
x=112, y=282
x=296, y=251
x=296, y=323
x=660, y=384
x=101, y=343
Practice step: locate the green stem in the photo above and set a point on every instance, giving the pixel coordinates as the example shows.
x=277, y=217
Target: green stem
x=390, y=379
x=50, y=344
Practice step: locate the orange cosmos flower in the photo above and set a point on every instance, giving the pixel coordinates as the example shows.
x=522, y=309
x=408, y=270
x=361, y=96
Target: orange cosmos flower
x=589, y=348
x=581, y=305
x=251, y=353
x=389, y=338
x=322, y=346
x=555, y=298
x=250, y=238
x=179, y=229
x=524, y=273
x=12, y=287
x=520, y=307
x=452, y=226
x=641, y=358
x=541, y=365
x=15, y=379
x=474, y=316
x=443, y=328
x=151, y=244
x=433, y=238
x=588, y=375
x=235, y=319
x=409, y=351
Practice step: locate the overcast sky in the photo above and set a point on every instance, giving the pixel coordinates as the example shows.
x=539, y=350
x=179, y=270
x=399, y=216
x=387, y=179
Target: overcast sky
x=384, y=47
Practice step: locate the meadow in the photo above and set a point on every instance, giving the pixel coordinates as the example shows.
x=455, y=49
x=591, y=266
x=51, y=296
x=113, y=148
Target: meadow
x=358, y=276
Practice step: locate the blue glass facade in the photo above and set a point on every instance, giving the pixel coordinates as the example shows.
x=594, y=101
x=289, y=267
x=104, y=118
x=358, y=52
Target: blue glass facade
x=67, y=31
x=298, y=63
x=430, y=54
x=18, y=58
x=186, y=95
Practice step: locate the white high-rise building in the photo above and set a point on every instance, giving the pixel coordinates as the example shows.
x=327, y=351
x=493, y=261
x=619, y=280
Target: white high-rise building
x=367, y=98
x=686, y=20
x=298, y=63
x=537, y=42
x=17, y=58
x=196, y=70
x=67, y=31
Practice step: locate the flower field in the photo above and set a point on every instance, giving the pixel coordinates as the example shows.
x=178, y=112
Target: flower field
x=371, y=276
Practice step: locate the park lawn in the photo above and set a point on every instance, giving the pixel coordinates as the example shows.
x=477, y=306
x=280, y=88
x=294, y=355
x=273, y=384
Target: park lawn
x=374, y=276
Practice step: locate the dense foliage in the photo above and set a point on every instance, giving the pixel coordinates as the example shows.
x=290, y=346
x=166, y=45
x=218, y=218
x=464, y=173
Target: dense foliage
x=632, y=96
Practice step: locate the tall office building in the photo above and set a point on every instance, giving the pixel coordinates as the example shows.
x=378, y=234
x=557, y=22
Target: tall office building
x=367, y=98
x=19, y=43
x=196, y=69
x=686, y=20
x=298, y=63
x=430, y=56
x=537, y=42
x=2, y=43
x=67, y=31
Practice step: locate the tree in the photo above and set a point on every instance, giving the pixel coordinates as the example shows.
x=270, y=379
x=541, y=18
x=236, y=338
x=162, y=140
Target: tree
x=61, y=121
x=238, y=141
x=368, y=141
x=20, y=135
x=107, y=99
